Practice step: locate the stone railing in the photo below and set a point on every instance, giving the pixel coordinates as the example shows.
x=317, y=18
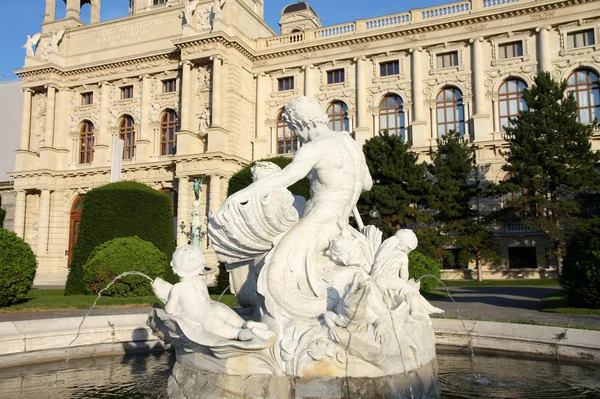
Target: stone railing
x=416, y=16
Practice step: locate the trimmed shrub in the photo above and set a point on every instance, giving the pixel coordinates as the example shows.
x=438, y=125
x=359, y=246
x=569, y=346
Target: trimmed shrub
x=581, y=266
x=122, y=255
x=122, y=209
x=243, y=178
x=420, y=265
x=17, y=268
x=222, y=282
x=2, y=214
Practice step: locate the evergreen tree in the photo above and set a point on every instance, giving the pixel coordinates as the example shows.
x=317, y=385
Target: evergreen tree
x=550, y=161
x=400, y=191
x=457, y=223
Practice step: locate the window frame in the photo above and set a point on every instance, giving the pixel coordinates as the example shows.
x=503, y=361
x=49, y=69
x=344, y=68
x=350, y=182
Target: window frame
x=384, y=66
x=508, y=97
x=454, y=63
x=284, y=145
x=332, y=73
x=503, y=47
x=338, y=118
x=156, y=3
x=589, y=87
x=286, y=83
x=126, y=90
x=87, y=142
x=127, y=134
x=574, y=33
x=168, y=146
x=455, y=105
x=169, y=85
x=87, y=98
x=398, y=112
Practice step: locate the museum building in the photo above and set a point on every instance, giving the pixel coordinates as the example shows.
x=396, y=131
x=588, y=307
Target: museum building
x=198, y=88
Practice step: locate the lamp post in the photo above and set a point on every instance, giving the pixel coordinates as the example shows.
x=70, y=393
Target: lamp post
x=195, y=234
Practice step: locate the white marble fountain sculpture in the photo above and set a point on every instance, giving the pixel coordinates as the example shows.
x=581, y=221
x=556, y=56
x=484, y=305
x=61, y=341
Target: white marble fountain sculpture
x=319, y=298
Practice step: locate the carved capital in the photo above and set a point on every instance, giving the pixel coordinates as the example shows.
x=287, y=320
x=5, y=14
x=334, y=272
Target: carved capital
x=413, y=49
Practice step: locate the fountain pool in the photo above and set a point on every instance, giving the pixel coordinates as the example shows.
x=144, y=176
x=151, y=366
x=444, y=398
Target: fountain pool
x=145, y=376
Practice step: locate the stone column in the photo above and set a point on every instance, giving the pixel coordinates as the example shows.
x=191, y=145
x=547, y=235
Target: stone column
x=544, y=48
x=43, y=226
x=361, y=93
x=215, y=193
x=183, y=203
x=308, y=80
x=20, y=205
x=418, y=125
x=26, y=121
x=50, y=112
x=143, y=146
x=50, y=14
x=480, y=109
x=103, y=142
x=94, y=11
x=73, y=8
x=186, y=85
x=217, y=83
x=261, y=149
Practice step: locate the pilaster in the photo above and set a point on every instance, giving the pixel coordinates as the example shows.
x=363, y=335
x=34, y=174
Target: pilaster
x=217, y=83
x=214, y=201
x=261, y=145
x=26, y=119
x=480, y=114
x=20, y=205
x=545, y=63
x=50, y=115
x=143, y=145
x=102, y=143
x=308, y=80
x=418, y=126
x=44, y=219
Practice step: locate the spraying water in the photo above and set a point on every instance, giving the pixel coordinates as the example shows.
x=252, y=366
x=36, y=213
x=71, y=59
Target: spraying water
x=100, y=294
x=469, y=336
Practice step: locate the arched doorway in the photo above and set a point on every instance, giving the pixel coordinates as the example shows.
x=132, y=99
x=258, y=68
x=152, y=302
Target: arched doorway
x=75, y=219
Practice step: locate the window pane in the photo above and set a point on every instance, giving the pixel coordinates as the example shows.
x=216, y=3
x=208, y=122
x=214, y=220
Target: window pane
x=570, y=41
x=461, y=113
x=503, y=108
x=590, y=38
x=440, y=115
x=450, y=114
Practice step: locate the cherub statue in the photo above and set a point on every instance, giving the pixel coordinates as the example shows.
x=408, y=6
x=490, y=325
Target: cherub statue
x=189, y=9
x=30, y=43
x=189, y=303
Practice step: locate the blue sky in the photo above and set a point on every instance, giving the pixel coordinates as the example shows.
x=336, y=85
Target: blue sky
x=22, y=17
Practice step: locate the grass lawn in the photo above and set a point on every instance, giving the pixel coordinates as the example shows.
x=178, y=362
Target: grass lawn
x=519, y=321
x=41, y=300
x=544, y=282
x=558, y=304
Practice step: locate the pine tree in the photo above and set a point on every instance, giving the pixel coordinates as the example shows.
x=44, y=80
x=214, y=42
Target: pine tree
x=401, y=191
x=456, y=187
x=550, y=161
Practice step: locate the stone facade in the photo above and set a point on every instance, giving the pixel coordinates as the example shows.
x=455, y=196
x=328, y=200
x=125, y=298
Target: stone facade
x=221, y=76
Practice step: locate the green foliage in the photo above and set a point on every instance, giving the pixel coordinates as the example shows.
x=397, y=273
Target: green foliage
x=17, y=268
x=550, y=160
x=457, y=223
x=400, y=191
x=581, y=269
x=222, y=282
x=2, y=214
x=420, y=265
x=120, y=255
x=123, y=209
x=243, y=178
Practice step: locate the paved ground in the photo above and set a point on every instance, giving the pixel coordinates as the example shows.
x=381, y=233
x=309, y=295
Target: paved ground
x=499, y=303
x=509, y=304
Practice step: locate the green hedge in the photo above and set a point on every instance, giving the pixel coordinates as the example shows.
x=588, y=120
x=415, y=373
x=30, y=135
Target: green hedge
x=122, y=255
x=122, y=209
x=2, y=214
x=17, y=268
x=581, y=266
x=243, y=178
x=420, y=265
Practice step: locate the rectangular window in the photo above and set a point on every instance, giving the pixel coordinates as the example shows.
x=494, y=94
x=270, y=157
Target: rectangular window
x=159, y=2
x=286, y=83
x=510, y=50
x=522, y=258
x=336, y=76
x=87, y=98
x=126, y=92
x=447, y=60
x=389, y=68
x=582, y=38
x=169, y=85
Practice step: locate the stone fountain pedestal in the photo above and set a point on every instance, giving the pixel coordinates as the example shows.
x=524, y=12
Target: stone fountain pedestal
x=188, y=381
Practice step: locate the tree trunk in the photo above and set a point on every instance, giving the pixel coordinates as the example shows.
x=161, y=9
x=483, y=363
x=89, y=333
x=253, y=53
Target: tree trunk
x=479, y=271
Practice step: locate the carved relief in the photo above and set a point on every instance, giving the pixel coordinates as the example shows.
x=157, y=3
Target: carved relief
x=476, y=27
x=542, y=15
x=204, y=77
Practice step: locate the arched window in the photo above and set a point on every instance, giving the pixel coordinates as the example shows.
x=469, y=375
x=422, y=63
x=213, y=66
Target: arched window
x=286, y=140
x=510, y=101
x=338, y=117
x=584, y=85
x=450, y=111
x=127, y=134
x=74, y=220
x=168, y=129
x=86, y=142
x=392, y=116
